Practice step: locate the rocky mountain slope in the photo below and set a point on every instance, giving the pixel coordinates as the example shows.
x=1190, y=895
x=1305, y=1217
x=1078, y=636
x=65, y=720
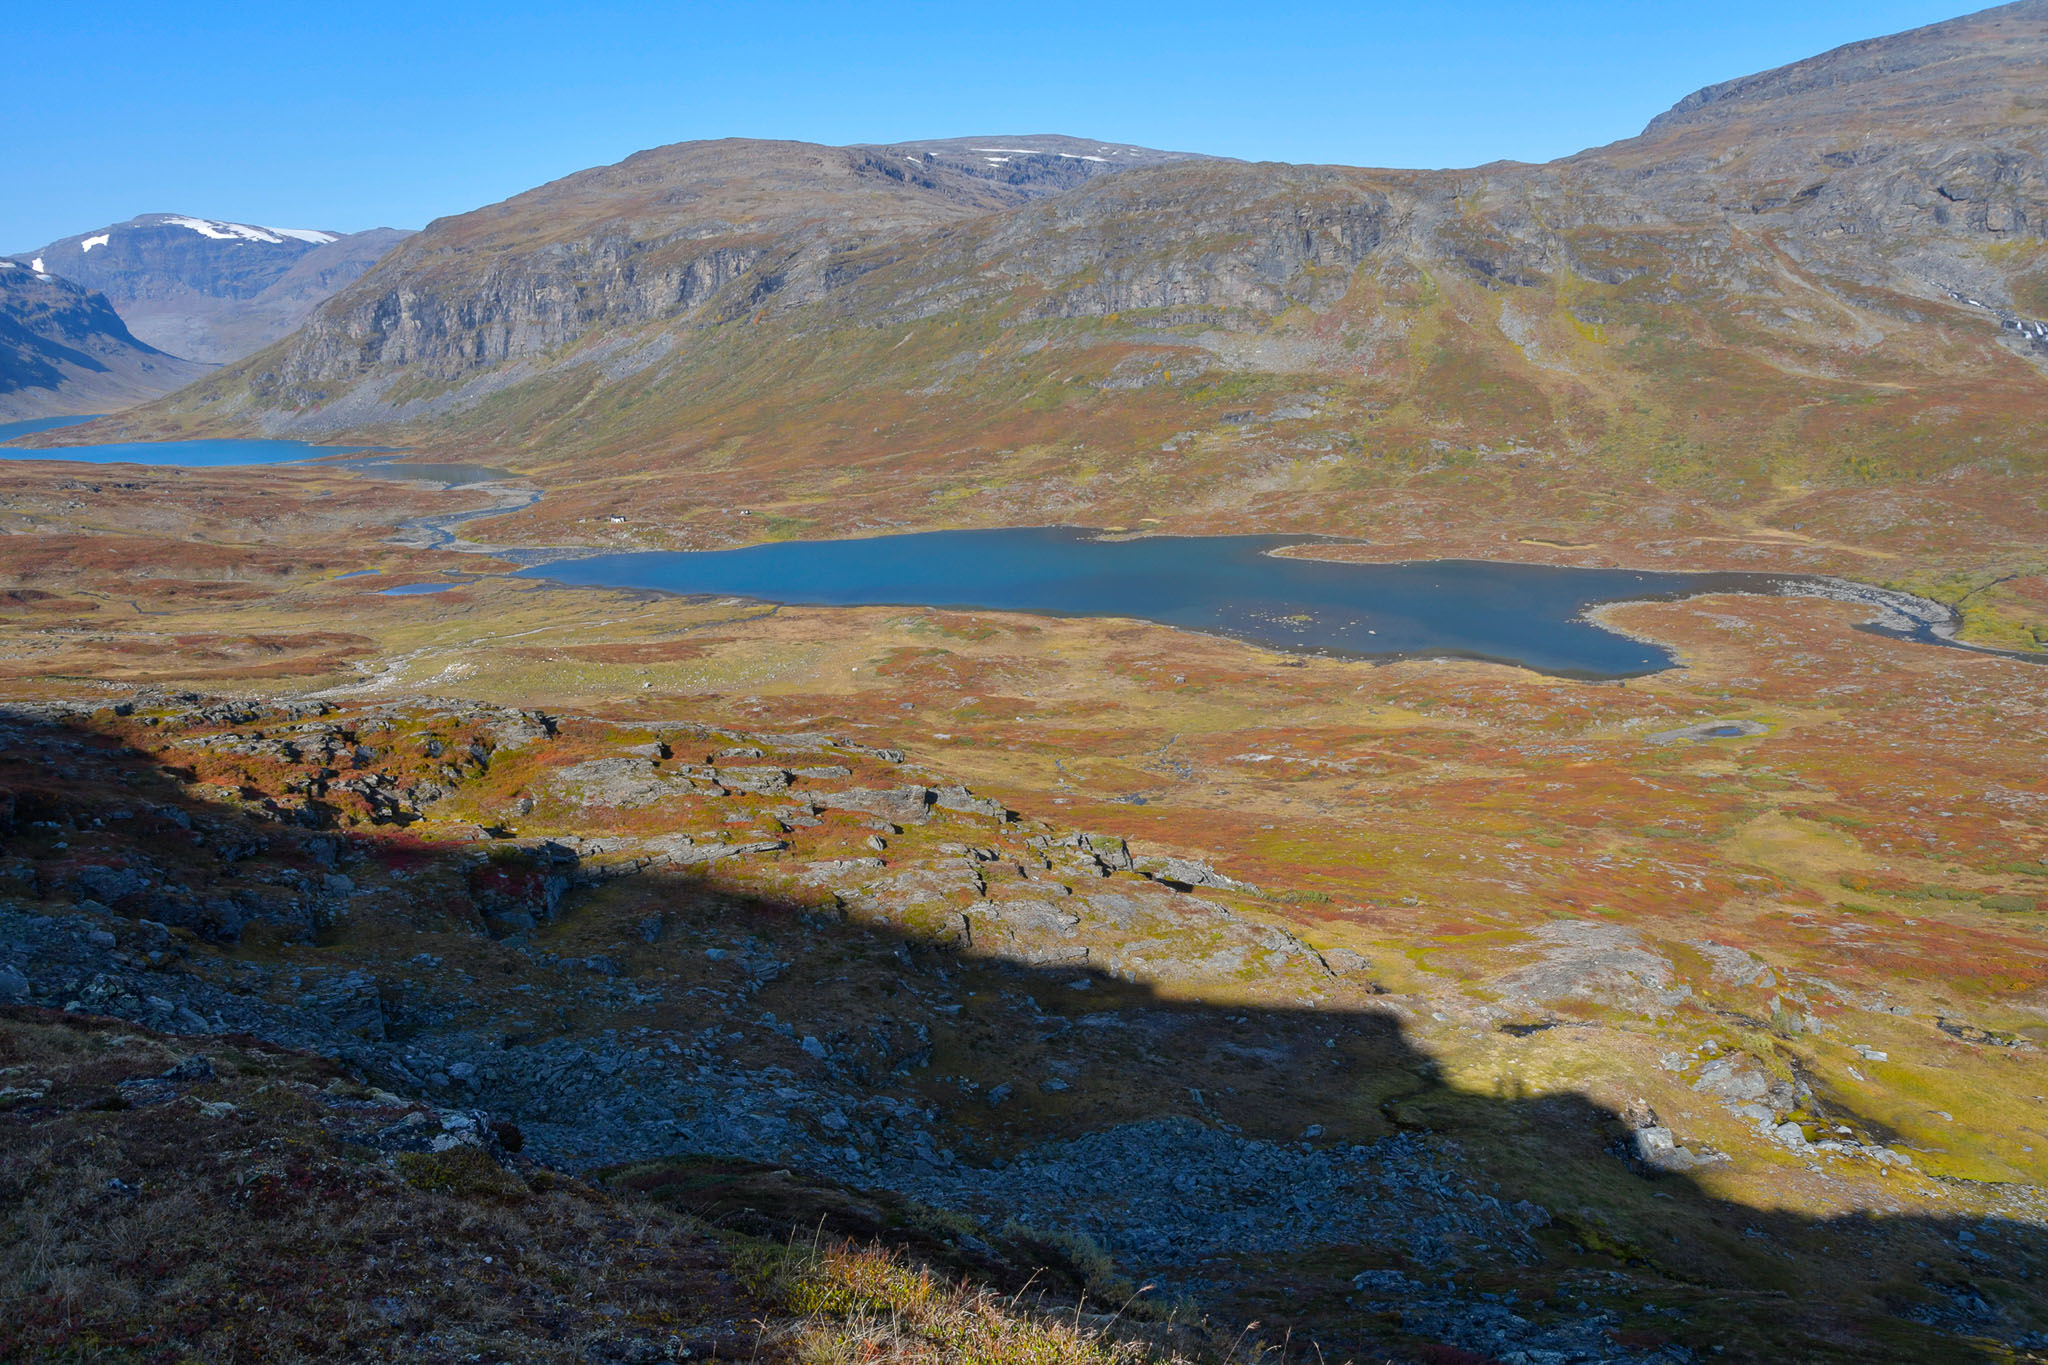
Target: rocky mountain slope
x=64, y=351
x=1833, y=272
x=210, y=290
x=239, y=1160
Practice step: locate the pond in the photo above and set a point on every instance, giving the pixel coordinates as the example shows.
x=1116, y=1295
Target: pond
x=1526, y=614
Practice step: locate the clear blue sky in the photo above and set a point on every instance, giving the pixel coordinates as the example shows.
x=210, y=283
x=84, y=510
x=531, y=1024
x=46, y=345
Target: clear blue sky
x=356, y=115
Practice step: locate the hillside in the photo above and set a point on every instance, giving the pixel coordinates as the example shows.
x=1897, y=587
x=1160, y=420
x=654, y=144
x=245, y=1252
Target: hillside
x=210, y=290
x=64, y=351
x=806, y=986
x=1798, y=279
x=239, y=1160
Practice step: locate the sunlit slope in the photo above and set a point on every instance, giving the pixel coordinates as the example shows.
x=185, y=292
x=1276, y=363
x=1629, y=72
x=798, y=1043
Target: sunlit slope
x=1831, y=274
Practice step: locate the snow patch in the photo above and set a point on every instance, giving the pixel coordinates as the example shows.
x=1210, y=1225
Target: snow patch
x=229, y=232
x=89, y=243
x=1032, y=151
x=36, y=265
x=224, y=232
x=7, y=265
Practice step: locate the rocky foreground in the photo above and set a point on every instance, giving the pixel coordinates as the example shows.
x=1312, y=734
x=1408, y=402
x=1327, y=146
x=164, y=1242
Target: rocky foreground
x=240, y=1201
x=618, y=945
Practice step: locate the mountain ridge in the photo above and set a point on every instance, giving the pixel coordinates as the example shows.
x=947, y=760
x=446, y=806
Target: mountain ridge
x=211, y=289
x=1822, y=70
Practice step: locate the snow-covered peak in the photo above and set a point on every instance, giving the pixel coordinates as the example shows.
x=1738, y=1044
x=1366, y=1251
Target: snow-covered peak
x=228, y=232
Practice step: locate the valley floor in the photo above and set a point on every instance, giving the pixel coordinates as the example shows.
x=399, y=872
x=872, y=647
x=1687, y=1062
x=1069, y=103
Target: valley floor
x=1415, y=1007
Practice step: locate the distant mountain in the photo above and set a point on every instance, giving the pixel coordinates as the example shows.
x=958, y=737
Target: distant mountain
x=1032, y=164
x=1835, y=272
x=64, y=351
x=212, y=290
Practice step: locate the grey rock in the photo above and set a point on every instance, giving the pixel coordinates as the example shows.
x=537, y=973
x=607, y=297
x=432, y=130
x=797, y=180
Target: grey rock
x=906, y=805
x=965, y=802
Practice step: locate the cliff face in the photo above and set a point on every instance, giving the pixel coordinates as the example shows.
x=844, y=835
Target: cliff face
x=65, y=352
x=1871, y=217
x=657, y=236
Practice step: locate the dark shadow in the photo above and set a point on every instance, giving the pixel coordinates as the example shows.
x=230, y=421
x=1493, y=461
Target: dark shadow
x=782, y=1062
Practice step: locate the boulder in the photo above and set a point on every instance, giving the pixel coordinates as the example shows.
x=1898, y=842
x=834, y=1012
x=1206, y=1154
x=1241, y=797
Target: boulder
x=965, y=802
x=760, y=781
x=905, y=805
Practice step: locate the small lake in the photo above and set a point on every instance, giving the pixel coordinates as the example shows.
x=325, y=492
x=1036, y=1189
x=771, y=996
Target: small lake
x=181, y=454
x=219, y=454
x=28, y=427
x=1526, y=614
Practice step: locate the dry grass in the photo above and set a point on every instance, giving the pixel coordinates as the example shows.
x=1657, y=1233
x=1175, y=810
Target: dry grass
x=861, y=1304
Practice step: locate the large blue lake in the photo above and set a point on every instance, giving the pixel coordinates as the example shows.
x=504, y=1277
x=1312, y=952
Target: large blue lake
x=1526, y=614
x=1532, y=615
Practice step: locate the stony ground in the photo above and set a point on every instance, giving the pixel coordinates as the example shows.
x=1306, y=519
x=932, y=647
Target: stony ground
x=171, y=1199
x=804, y=949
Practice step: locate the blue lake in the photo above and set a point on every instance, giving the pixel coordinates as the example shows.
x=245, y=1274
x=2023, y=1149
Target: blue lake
x=1531, y=615
x=10, y=430
x=183, y=454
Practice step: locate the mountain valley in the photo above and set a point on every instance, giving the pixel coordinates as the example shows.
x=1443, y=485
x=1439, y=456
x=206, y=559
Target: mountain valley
x=502, y=968
x=65, y=352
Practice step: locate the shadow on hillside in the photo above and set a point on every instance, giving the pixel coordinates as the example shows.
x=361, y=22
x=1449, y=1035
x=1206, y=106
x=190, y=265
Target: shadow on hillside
x=1242, y=1181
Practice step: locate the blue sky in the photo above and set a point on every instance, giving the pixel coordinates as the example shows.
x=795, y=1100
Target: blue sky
x=367, y=114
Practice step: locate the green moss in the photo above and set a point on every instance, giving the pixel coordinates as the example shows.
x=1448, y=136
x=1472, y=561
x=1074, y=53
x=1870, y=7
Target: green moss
x=462, y=1172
